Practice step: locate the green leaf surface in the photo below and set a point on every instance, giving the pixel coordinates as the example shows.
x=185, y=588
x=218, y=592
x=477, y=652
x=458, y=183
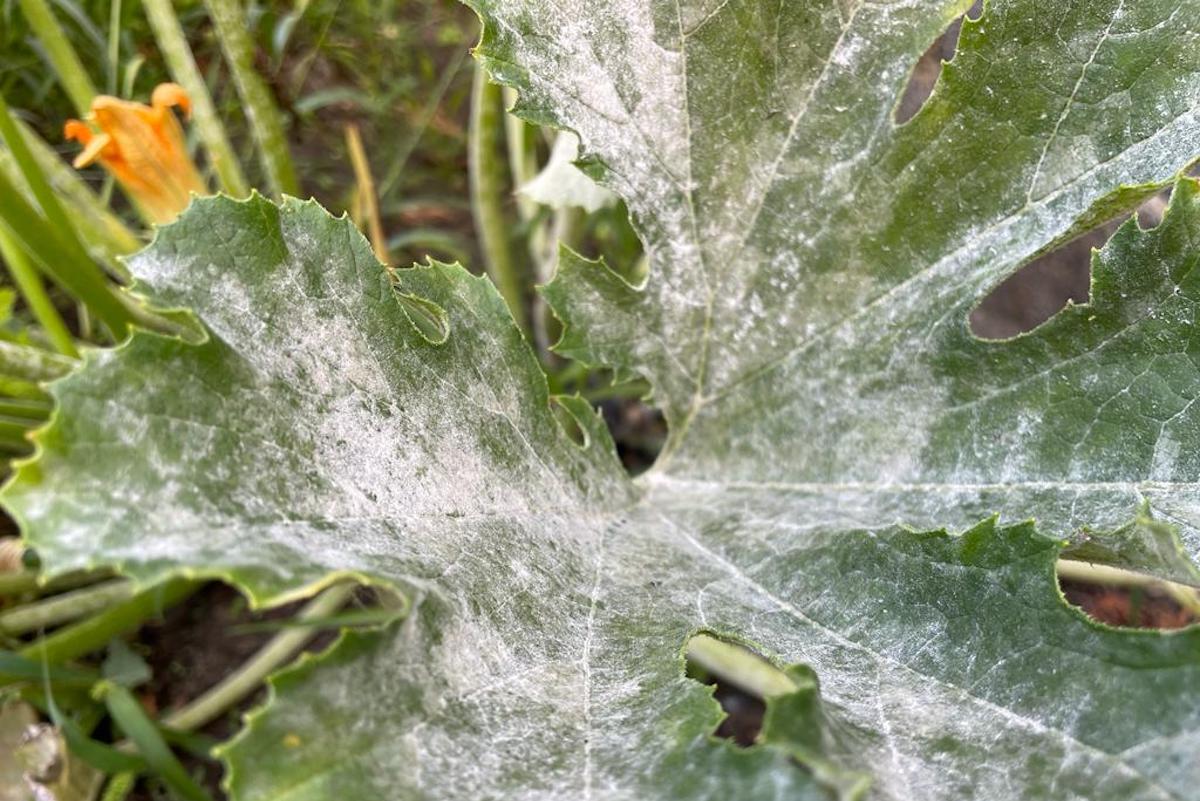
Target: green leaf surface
x=804, y=326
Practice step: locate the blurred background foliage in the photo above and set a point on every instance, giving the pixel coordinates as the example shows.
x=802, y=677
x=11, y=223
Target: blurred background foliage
x=397, y=70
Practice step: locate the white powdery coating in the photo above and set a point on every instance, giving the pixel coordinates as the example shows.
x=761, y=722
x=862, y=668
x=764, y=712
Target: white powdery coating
x=800, y=343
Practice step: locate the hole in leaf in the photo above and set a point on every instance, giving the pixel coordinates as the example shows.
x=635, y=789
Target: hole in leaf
x=1037, y=291
x=929, y=66
x=741, y=678
x=638, y=430
x=1133, y=604
x=1033, y=294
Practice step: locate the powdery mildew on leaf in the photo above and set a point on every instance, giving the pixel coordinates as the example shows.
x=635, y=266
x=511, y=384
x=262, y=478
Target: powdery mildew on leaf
x=804, y=327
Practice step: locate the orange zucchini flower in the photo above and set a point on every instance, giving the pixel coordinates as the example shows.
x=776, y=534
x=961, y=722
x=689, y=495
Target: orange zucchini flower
x=143, y=148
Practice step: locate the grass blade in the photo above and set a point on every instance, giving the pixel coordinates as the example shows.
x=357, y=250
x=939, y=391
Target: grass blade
x=41, y=242
x=52, y=239
x=16, y=667
x=132, y=720
x=29, y=283
x=101, y=756
x=63, y=59
x=100, y=228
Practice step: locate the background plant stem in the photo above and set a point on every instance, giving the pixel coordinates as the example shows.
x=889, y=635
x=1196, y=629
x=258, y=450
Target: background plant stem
x=67, y=606
x=229, y=21
x=246, y=679
x=95, y=632
x=488, y=191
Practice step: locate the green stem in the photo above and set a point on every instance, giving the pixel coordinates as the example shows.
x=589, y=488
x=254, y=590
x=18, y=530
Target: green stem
x=68, y=606
x=114, y=44
x=63, y=59
x=172, y=43
x=95, y=632
x=229, y=21
x=18, y=583
x=26, y=580
x=29, y=283
x=521, y=159
x=488, y=192
x=281, y=649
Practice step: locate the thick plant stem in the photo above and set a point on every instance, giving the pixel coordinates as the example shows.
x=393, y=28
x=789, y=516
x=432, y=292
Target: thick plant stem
x=521, y=160
x=175, y=50
x=488, y=192
x=29, y=283
x=66, y=607
x=63, y=59
x=229, y=21
x=18, y=582
x=281, y=649
x=95, y=632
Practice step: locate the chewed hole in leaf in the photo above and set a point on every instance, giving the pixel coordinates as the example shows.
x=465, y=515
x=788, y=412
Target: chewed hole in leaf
x=1041, y=288
x=741, y=680
x=638, y=430
x=925, y=74
x=1037, y=291
x=1152, y=605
